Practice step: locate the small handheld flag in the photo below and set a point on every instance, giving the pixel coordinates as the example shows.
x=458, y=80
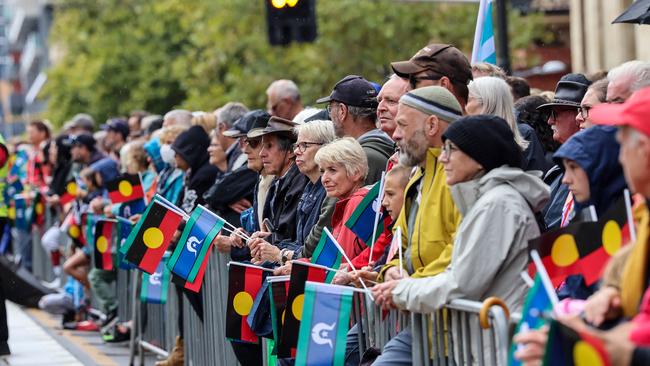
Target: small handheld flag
x=278, y=292
x=244, y=282
x=127, y=187
x=104, y=244
x=326, y=319
x=70, y=192
x=151, y=236
x=301, y=272
x=199, y=232
x=155, y=286
x=124, y=228
x=327, y=254
x=38, y=209
x=567, y=347
x=484, y=49
x=362, y=221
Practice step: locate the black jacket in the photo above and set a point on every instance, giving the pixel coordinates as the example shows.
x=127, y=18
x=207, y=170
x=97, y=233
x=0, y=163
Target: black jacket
x=282, y=204
x=192, y=146
x=230, y=188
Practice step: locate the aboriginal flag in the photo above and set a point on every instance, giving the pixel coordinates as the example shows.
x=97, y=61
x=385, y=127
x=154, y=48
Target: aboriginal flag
x=74, y=230
x=244, y=282
x=104, y=245
x=126, y=188
x=38, y=209
x=278, y=292
x=70, y=192
x=151, y=236
x=301, y=272
x=567, y=347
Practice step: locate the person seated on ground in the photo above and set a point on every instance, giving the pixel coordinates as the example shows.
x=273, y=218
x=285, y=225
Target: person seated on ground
x=498, y=201
x=68, y=302
x=491, y=95
x=395, y=182
x=310, y=138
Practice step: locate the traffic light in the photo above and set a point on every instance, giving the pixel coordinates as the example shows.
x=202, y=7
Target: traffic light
x=291, y=20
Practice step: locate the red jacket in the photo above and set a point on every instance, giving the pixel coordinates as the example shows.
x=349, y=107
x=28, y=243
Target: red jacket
x=377, y=250
x=342, y=212
x=640, y=333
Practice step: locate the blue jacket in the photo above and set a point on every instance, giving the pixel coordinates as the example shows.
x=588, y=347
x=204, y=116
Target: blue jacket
x=309, y=208
x=596, y=151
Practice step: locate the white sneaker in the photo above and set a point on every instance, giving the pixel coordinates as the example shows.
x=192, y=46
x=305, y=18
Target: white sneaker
x=54, y=285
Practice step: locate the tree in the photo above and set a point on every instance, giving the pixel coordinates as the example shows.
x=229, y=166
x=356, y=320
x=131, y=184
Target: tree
x=121, y=55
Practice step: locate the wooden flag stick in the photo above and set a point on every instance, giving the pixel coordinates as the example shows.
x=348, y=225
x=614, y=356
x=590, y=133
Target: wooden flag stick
x=398, y=232
x=543, y=275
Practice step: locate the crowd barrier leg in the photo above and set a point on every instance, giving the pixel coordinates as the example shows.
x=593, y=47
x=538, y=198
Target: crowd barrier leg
x=135, y=331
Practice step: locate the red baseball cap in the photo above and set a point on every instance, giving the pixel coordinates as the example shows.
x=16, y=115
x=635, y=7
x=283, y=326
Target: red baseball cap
x=635, y=112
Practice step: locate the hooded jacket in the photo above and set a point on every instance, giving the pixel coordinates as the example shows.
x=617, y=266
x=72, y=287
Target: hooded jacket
x=491, y=244
x=596, y=151
x=192, y=146
x=378, y=147
x=427, y=250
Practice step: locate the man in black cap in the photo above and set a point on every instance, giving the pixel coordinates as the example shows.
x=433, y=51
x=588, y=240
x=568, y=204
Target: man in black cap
x=352, y=107
x=83, y=150
x=562, y=118
x=117, y=131
x=439, y=65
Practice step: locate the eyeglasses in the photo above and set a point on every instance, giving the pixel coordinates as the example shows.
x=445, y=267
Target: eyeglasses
x=329, y=107
x=301, y=147
x=584, y=111
x=414, y=80
x=448, y=148
x=253, y=143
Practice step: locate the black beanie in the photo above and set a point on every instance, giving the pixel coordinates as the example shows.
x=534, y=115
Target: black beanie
x=486, y=139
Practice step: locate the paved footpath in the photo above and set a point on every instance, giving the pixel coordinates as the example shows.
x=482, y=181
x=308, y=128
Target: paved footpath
x=36, y=338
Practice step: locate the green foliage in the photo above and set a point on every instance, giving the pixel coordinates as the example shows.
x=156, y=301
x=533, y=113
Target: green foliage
x=120, y=55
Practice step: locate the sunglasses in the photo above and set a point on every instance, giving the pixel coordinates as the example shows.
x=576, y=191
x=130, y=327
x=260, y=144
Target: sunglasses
x=253, y=143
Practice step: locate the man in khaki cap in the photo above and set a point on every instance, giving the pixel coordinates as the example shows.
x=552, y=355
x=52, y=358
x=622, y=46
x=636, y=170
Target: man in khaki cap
x=441, y=65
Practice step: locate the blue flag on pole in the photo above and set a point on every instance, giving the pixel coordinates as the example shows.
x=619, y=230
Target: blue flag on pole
x=327, y=254
x=324, y=326
x=484, y=49
x=201, y=229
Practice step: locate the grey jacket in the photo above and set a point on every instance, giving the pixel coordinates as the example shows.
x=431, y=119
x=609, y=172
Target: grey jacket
x=491, y=244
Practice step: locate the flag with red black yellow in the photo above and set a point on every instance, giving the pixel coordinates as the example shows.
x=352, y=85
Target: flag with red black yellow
x=244, y=282
x=568, y=347
x=583, y=247
x=301, y=272
x=127, y=187
x=278, y=292
x=72, y=223
x=38, y=209
x=70, y=192
x=151, y=236
x=104, y=244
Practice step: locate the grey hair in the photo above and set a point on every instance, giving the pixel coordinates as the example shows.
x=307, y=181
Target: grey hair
x=346, y=152
x=284, y=88
x=362, y=113
x=181, y=117
x=230, y=113
x=321, y=131
x=637, y=72
x=496, y=98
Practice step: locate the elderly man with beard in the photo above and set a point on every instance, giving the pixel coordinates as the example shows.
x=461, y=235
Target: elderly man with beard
x=429, y=217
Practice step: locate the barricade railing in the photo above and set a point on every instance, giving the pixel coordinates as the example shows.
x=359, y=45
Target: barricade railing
x=205, y=341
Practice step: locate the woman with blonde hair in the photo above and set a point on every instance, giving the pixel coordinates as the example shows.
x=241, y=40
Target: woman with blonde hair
x=492, y=96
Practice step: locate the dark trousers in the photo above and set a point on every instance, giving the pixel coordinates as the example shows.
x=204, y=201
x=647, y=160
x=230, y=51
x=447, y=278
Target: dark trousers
x=248, y=354
x=4, y=330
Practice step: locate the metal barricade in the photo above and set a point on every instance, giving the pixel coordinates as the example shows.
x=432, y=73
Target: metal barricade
x=41, y=263
x=205, y=341
x=463, y=333
x=374, y=326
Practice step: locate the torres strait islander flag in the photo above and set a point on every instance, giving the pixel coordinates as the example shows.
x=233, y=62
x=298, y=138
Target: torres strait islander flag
x=244, y=282
x=327, y=254
x=104, y=244
x=155, y=286
x=126, y=188
x=151, y=236
x=325, y=324
x=192, y=249
x=301, y=272
x=362, y=220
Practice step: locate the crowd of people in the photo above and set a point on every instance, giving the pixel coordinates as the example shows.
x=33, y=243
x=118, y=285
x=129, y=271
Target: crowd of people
x=475, y=165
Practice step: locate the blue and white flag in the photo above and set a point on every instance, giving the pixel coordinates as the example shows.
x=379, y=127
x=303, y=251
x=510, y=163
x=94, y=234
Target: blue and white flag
x=484, y=49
